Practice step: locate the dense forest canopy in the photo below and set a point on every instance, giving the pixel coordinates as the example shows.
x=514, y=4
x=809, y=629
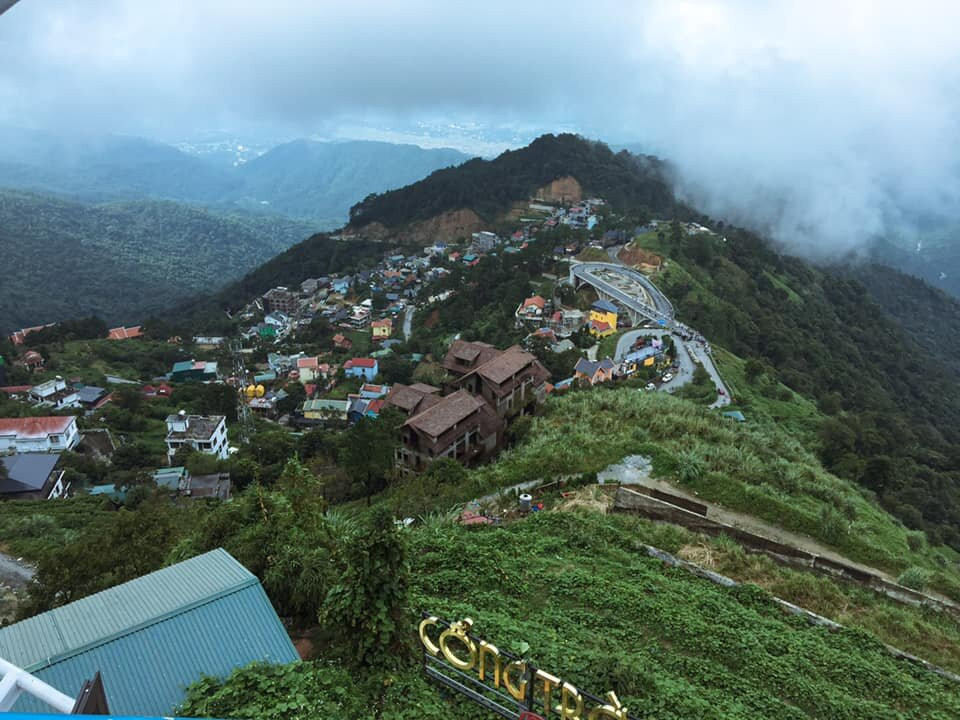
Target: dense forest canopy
x=122, y=260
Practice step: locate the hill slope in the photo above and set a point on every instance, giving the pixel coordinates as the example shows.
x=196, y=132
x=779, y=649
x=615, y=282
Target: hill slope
x=121, y=260
x=306, y=180
x=488, y=187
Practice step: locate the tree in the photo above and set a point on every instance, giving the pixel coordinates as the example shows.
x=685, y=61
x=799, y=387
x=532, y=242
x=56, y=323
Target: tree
x=367, y=450
x=135, y=543
x=367, y=605
x=431, y=374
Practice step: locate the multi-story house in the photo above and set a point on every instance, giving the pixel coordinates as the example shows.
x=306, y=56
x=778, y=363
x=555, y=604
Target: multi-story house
x=204, y=433
x=460, y=426
x=38, y=434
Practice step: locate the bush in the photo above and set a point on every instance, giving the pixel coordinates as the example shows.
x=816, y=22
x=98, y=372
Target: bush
x=915, y=577
x=833, y=526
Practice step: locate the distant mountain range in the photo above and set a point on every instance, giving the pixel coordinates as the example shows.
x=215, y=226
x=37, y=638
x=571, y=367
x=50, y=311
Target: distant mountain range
x=121, y=226
x=303, y=179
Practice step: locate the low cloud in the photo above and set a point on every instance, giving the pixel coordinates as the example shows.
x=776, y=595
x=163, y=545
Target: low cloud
x=825, y=124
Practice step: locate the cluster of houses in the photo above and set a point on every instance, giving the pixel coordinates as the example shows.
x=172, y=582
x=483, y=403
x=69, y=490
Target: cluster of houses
x=535, y=311
x=58, y=394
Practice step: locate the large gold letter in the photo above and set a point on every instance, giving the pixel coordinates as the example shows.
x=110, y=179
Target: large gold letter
x=424, y=638
x=571, y=703
x=491, y=650
x=549, y=683
x=458, y=663
x=518, y=691
x=612, y=710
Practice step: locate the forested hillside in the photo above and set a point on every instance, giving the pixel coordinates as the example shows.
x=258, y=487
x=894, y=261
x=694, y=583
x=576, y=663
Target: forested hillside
x=64, y=259
x=306, y=180
x=489, y=187
x=890, y=400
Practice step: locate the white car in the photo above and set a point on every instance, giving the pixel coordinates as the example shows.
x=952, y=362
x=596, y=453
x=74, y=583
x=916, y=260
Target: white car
x=651, y=386
x=668, y=377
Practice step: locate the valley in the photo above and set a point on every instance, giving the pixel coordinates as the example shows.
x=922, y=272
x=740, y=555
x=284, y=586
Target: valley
x=378, y=391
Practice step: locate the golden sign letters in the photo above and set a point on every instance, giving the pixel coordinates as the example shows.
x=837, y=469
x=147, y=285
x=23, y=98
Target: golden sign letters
x=461, y=651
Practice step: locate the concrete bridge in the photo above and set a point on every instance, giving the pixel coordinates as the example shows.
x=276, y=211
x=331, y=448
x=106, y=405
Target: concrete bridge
x=629, y=288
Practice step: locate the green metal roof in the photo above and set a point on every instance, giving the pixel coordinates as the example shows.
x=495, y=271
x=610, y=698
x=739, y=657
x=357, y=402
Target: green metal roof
x=183, y=366
x=153, y=636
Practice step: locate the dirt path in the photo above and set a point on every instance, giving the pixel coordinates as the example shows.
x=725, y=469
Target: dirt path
x=14, y=573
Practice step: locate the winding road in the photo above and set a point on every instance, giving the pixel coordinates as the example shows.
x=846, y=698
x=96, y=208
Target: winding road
x=687, y=359
x=629, y=287
x=689, y=352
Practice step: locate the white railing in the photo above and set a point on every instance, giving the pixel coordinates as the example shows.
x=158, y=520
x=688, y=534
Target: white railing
x=15, y=681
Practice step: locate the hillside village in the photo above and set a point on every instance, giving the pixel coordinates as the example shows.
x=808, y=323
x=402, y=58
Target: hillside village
x=410, y=376
x=321, y=355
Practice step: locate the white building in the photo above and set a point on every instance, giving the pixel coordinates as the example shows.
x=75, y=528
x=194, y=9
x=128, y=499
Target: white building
x=55, y=393
x=38, y=434
x=204, y=433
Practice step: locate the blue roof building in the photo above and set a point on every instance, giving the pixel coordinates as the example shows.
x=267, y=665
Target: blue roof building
x=605, y=306
x=152, y=637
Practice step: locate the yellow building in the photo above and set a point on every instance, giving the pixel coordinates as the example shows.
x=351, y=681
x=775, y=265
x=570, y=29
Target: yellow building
x=603, y=318
x=382, y=329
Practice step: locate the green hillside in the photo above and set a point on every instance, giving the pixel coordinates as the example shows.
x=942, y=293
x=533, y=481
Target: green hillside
x=490, y=186
x=305, y=180
x=576, y=594
x=122, y=260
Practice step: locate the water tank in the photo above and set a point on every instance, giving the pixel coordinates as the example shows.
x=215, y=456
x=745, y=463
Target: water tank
x=261, y=391
x=525, y=502
x=250, y=391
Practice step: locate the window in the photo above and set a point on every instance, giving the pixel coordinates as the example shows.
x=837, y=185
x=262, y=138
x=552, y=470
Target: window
x=55, y=439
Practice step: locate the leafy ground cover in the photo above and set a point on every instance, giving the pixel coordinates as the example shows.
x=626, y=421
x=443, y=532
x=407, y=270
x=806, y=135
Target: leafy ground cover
x=753, y=467
x=573, y=592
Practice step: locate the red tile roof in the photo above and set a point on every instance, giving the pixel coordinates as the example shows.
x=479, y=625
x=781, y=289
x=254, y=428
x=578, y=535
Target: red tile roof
x=35, y=427
x=124, y=333
x=360, y=362
x=535, y=301
x=15, y=389
x=311, y=363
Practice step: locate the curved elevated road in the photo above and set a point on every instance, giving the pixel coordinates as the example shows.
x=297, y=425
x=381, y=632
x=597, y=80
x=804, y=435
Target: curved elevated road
x=613, y=282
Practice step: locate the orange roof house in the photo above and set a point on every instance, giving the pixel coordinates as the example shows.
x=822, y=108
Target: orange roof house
x=125, y=333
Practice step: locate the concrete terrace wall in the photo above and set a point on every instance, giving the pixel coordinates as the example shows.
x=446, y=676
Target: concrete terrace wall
x=664, y=507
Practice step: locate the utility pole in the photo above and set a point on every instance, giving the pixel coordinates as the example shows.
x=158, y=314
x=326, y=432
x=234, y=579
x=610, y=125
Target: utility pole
x=243, y=410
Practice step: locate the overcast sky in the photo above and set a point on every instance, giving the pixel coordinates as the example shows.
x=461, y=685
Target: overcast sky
x=822, y=121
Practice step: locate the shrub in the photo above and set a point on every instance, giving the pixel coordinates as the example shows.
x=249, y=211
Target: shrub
x=833, y=526
x=915, y=577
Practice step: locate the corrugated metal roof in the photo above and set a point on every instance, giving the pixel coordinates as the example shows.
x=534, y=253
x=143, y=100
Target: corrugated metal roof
x=151, y=637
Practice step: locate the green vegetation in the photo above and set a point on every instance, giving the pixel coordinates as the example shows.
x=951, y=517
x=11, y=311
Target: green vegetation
x=893, y=412
x=489, y=187
x=750, y=467
x=592, y=609
x=122, y=260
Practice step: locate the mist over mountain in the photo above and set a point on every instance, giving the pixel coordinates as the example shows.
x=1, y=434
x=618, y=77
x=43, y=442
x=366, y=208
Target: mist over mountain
x=304, y=180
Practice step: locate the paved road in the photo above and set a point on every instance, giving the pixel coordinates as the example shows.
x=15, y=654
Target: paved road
x=688, y=354
x=408, y=322
x=591, y=272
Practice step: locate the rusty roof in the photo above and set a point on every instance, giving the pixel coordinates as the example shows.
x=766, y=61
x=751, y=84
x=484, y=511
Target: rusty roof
x=35, y=427
x=445, y=414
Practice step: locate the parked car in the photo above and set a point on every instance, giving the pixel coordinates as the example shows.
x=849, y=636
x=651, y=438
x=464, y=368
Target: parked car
x=651, y=386
x=667, y=377
x=721, y=391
